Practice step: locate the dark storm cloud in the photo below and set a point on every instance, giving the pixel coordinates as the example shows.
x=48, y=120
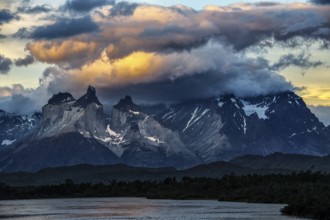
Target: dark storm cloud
x=321, y=2
x=85, y=5
x=301, y=60
x=283, y=25
x=6, y=16
x=24, y=61
x=5, y=64
x=200, y=74
x=123, y=9
x=18, y=103
x=158, y=29
x=34, y=10
x=240, y=28
x=66, y=27
x=196, y=86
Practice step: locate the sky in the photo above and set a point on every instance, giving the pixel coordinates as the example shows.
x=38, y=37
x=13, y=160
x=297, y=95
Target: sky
x=163, y=51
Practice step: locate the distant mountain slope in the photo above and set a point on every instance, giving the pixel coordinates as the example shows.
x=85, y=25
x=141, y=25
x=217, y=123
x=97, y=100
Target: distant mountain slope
x=227, y=126
x=120, y=172
x=14, y=127
x=245, y=165
x=284, y=161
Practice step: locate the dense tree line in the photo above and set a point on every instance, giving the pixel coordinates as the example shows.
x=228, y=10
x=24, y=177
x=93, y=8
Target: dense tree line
x=307, y=194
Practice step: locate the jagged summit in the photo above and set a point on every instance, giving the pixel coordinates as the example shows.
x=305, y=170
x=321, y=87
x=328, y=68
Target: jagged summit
x=60, y=98
x=128, y=99
x=88, y=98
x=84, y=116
x=91, y=90
x=127, y=104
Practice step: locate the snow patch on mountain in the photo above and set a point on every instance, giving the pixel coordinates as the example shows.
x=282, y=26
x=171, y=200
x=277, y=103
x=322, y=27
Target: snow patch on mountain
x=111, y=132
x=195, y=117
x=155, y=140
x=7, y=142
x=134, y=112
x=259, y=109
x=220, y=104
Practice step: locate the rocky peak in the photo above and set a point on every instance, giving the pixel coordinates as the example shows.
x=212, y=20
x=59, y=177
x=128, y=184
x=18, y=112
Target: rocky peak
x=84, y=116
x=127, y=104
x=60, y=98
x=91, y=90
x=291, y=98
x=88, y=98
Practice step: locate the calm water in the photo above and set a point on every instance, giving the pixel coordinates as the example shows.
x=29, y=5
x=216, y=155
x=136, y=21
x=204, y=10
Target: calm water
x=135, y=208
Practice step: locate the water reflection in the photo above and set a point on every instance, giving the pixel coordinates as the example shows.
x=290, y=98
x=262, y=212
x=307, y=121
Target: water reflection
x=135, y=208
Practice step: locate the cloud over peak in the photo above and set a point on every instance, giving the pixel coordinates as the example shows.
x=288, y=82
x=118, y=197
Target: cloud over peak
x=210, y=70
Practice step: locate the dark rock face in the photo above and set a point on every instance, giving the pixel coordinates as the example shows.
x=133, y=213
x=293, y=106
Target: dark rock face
x=88, y=98
x=60, y=98
x=82, y=116
x=126, y=104
x=226, y=127
x=289, y=126
x=135, y=127
x=144, y=141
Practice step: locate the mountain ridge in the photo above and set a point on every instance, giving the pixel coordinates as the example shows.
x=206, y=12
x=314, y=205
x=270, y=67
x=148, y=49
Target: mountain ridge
x=183, y=135
x=244, y=165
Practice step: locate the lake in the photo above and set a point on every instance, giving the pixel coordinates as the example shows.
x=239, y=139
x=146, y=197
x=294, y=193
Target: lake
x=135, y=208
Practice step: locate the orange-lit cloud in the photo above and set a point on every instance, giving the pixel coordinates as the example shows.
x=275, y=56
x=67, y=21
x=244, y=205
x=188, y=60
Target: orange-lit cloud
x=165, y=30
x=62, y=51
x=136, y=67
x=210, y=70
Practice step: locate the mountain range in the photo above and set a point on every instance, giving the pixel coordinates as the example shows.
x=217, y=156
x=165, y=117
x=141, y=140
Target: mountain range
x=73, y=131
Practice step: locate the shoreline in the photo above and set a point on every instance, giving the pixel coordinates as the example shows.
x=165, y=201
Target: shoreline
x=303, y=194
